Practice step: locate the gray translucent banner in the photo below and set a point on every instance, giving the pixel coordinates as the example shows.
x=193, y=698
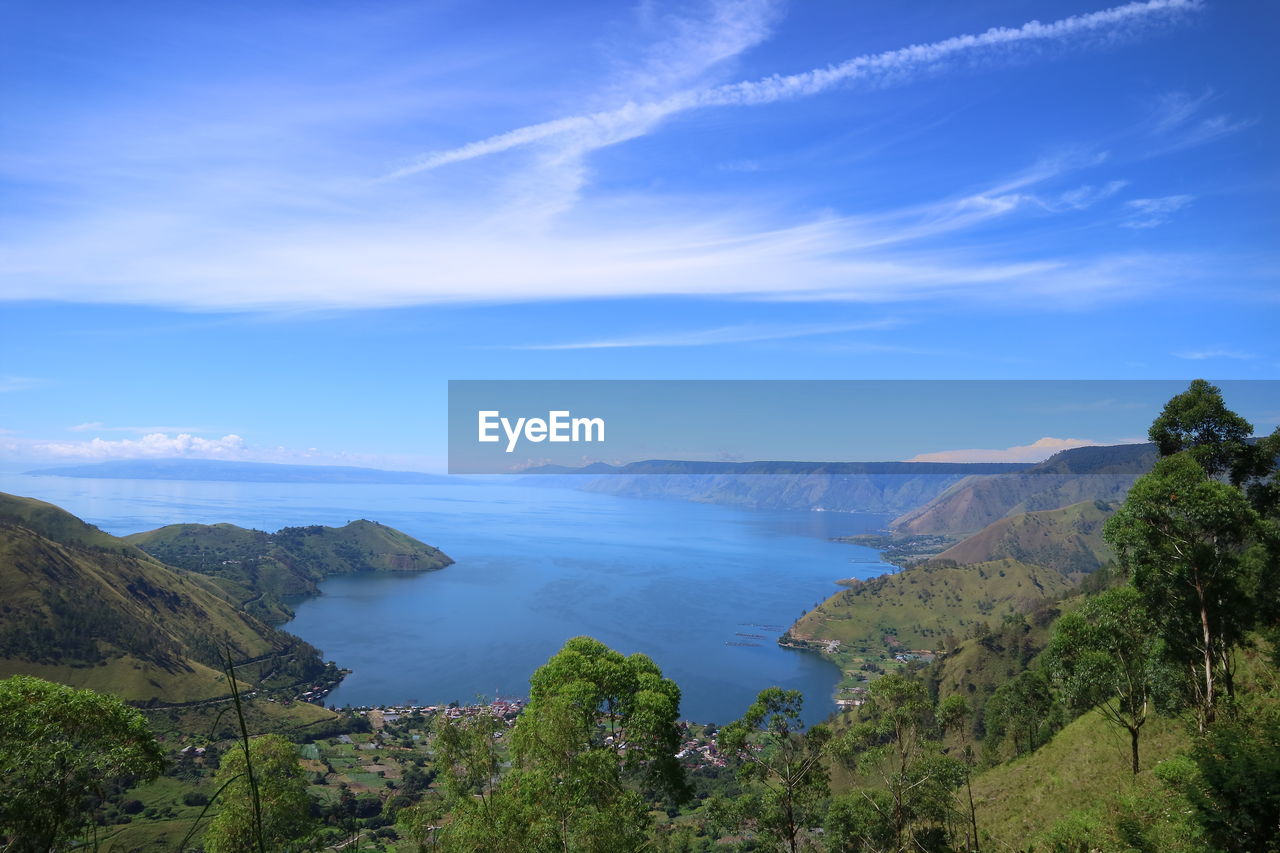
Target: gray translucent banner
x=822, y=428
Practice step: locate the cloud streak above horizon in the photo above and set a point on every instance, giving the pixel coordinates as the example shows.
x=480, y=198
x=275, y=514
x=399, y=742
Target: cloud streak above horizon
x=625, y=122
x=188, y=220
x=1036, y=451
x=717, y=336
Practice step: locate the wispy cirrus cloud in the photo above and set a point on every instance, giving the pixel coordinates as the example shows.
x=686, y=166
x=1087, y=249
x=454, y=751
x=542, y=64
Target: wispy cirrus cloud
x=1209, y=353
x=1153, y=212
x=18, y=383
x=608, y=127
x=281, y=237
x=748, y=333
x=1179, y=122
x=99, y=426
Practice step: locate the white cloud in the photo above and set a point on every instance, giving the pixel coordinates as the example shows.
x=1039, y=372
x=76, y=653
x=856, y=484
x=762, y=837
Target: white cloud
x=1082, y=198
x=1152, y=212
x=196, y=234
x=716, y=336
x=99, y=426
x=1215, y=352
x=596, y=130
x=231, y=447
x=17, y=383
x=153, y=446
x=683, y=46
x=1178, y=124
x=1037, y=451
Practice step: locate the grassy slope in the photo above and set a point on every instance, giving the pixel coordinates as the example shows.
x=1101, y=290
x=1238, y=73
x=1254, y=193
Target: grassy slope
x=1067, y=539
x=1084, y=767
x=1082, y=474
x=85, y=610
x=57, y=524
x=920, y=607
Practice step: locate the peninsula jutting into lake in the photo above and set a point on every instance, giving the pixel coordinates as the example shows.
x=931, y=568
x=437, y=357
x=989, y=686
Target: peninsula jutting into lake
x=714, y=426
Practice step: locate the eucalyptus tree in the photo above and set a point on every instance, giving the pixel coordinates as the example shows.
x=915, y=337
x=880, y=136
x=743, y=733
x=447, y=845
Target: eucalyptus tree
x=1108, y=656
x=263, y=805
x=1197, y=541
x=59, y=749
x=1024, y=710
x=787, y=761
x=899, y=745
x=599, y=727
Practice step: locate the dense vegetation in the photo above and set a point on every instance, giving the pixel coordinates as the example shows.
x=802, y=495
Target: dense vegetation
x=84, y=608
x=1137, y=709
x=259, y=568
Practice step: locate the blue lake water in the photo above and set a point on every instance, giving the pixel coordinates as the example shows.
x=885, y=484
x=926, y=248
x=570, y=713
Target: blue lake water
x=679, y=582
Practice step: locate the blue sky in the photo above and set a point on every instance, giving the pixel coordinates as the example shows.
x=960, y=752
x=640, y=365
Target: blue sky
x=279, y=229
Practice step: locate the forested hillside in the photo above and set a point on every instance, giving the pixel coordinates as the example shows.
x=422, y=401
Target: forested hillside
x=258, y=568
x=84, y=608
x=1047, y=708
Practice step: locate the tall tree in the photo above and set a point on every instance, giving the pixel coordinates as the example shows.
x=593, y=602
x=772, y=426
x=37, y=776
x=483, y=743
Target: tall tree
x=899, y=744
x=1022, y=709
x=953, y=719
x=785, y=759
x=1198, y=422
x=1200, y=555
x=598, y=728
x=1108, y=655
x=59, y=747
x=280, y=819
x=1198, y=537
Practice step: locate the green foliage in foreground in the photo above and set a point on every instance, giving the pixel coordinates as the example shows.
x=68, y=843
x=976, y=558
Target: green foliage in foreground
x=59, y=747
x=788, y=763
x=1108, y=655
x=599, y=730
x=283, y=815
x=591, y=763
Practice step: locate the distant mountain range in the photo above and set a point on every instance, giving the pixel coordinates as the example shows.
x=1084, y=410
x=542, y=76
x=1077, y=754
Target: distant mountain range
x=1067, y=540
x=651, y=467
x=240, y=472
x=1066, y=478
x=929, y=498
x=888, y=487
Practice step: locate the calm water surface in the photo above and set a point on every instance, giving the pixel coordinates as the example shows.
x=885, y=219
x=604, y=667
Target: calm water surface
x=682, y=583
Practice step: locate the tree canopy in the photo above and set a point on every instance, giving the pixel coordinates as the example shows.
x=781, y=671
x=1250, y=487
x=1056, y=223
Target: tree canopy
x=599, y=731
x=1197, y=548
x=283, y=813
x=58, y=747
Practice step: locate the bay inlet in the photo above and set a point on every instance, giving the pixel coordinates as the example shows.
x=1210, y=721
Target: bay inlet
x=704, y=590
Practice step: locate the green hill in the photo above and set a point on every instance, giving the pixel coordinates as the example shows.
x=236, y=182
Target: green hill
x=1069, y=477
x=1081, y=779
x=1068, y=540
x=57, y=524
x=922, y=607
x=84, y=608
x=258, y=568
x=975, y=666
